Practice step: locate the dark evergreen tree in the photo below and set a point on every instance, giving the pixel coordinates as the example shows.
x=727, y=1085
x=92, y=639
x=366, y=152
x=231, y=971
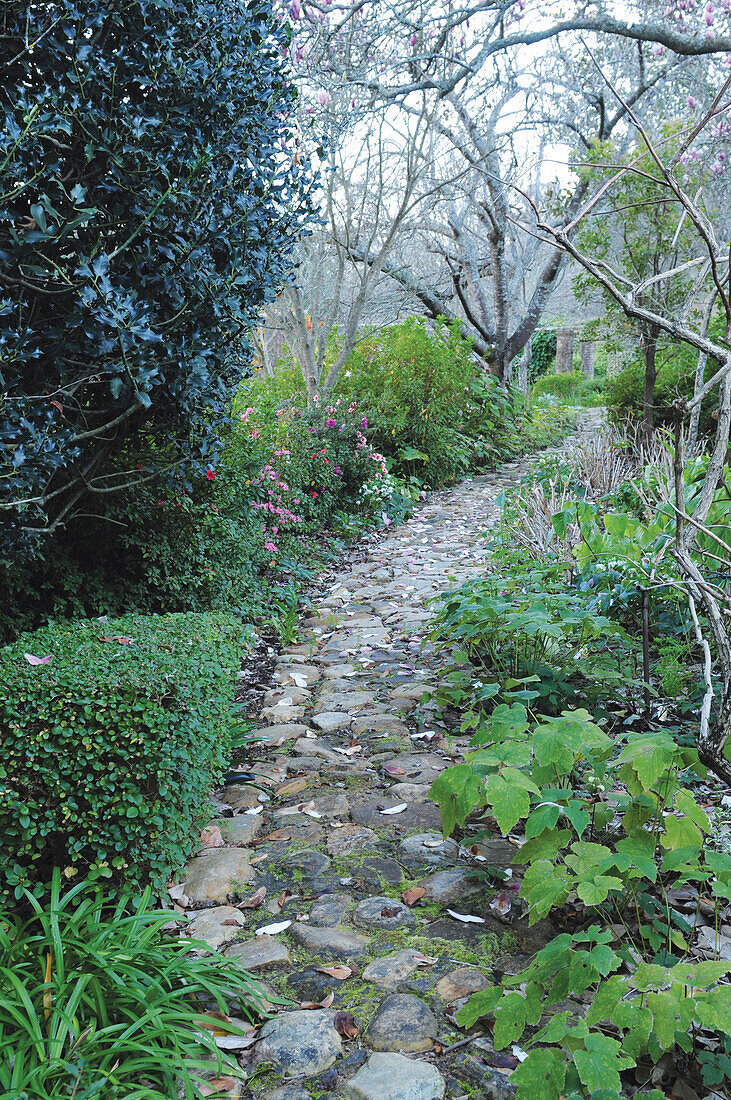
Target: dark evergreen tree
x=148, y=200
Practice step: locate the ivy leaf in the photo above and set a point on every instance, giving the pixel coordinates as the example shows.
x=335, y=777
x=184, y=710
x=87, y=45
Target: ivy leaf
x=606, y=999
x=686, y=804
x=542, y=1074
x=680, y=832
x=543, y=817
x=640, y=849
x=599, y=1064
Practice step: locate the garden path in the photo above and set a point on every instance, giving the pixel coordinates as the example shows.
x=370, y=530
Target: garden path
x=347, y=844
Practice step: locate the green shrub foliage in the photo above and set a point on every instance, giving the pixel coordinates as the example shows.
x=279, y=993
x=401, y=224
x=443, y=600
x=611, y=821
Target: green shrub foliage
x=147, y=206
x=111, y=736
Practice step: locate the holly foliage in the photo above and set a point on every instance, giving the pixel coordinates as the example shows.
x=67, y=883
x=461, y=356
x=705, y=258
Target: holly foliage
x=147, y=207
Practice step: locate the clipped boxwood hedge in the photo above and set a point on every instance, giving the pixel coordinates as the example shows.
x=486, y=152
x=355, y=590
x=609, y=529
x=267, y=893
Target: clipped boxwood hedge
x=108, y=751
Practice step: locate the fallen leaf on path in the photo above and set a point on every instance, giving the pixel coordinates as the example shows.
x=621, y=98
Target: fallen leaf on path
x=119, y=638
x=466, y=918
x=339, y=972
x=346, y=1025
x=412, y=895
x=255, y=900
x=501, y=904
x=423, y=960
x=319, y=1004
x=216, y=1086
x=284, y=896
x=254, y=811
x=352, y=751
x=177, y=893
x=433, y=843
x=390, y=912
x=393, y=769
x=272, y=929
x=298, y=679
x=38, y=660
x=394, y=809
x=211, y=837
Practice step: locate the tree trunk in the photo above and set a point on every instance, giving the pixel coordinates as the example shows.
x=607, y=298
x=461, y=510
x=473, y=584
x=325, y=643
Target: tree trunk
x=524, y=368
x=649, y=354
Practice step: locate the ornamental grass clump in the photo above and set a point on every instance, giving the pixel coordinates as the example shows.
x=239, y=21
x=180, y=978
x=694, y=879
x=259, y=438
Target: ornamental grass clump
x=97, y=1001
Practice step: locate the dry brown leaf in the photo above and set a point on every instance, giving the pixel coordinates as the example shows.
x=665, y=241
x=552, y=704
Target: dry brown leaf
x=346, y=1025
x=325, y=1003
x=211, y=837
x=412, y=895
x=282, y=899
x=339, y=972
x=255, y=900
x=216, y=1086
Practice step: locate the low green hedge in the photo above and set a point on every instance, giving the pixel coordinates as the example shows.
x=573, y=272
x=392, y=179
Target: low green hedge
x=108, y=751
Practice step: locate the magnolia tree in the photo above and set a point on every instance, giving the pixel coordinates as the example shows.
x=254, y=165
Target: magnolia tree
x=500, y=83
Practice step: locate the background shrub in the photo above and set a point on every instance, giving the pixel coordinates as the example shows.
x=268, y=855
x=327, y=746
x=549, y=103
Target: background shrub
x=574, y=388
x=109, y=749
x=675, y=378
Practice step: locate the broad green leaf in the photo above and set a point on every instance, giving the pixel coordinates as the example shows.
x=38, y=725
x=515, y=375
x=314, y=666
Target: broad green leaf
x=700, y=973
x=543, y=817
x=597, y=890
x=541, y=1075
x=508, y=795
x=545, y=846
x=680, y=832
x=713, y=1009
x=458, y=791
x=640, y=848
x=648, y=756
x=543, y=886
x=587, y=859
x=637, y=1023
x=510, y=1020
x=671, y=1012
x=599, y=1064
x=686, y=804
x=480, y=1004
x=606, y=999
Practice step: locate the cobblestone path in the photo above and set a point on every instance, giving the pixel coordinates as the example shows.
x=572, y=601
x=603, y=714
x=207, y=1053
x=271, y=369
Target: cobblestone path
x=348, y=845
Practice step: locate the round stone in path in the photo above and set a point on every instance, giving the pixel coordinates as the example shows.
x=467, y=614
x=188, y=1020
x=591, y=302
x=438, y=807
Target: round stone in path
x=460, y=983
x=300, y=1043
x=218, y=874
x=330, y=909
x=446, y=887
x=350, y=838
x=329, y=943
x=239, y=830
x=216, y=926
x=308, y=862
x=329, y=721
x=403, y=1023
x=385, y=913
x=263, y=953
x=289, y=1092
x=393, y=1077
x=427, y=850
x=283, y=731
x=391, y=970
x=417, y=815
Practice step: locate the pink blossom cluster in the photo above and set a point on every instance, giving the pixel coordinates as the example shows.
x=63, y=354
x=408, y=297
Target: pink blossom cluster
x=275, y=506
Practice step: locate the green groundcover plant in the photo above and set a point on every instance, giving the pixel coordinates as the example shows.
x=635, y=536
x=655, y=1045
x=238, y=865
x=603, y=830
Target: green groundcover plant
x=96, y=1001
x=612, y=843
x=112, y=734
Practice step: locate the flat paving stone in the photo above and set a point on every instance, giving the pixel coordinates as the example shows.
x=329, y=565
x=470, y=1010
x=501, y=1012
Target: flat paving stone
x=329, y=943
x=262, y=953
x=427, y=850
x=446, y=887
x=460, y=983
x=330, y=721
x=403, y=1022
x=280, y=732
x=394, y=1077
x=417, y=815
x=218, y=874
x=380, y=912
x=300, y=1043
x=351, y=838
x=390, y=971
x=239, y=830
x=216, y=926
x=330, y=909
